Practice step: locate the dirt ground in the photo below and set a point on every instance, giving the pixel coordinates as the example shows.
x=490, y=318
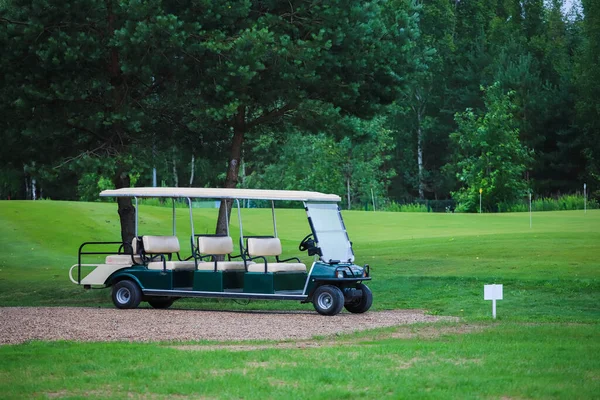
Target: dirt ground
x=22, y=324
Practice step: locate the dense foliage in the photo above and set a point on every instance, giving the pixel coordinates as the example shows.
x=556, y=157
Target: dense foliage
x=490, y=157
x=353, y=97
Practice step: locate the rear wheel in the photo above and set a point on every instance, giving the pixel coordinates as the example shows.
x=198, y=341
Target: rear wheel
x=164, y=302
x=362, y=304
x=126, y=294
x=328, y=300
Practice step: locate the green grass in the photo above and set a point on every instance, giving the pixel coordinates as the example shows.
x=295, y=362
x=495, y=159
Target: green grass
x=434, y=261
x=494, y=361
x=541, y=346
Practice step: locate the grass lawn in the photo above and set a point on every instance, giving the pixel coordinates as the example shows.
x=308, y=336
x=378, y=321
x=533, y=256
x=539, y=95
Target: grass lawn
x=505, y=361
x=543, y=345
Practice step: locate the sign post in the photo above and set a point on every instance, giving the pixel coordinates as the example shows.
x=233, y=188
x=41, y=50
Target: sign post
x=493, y=293
x=584, y=199
x=480, y=191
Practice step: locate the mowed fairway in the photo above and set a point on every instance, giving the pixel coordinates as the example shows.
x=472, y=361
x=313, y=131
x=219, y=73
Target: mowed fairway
x=544, y=344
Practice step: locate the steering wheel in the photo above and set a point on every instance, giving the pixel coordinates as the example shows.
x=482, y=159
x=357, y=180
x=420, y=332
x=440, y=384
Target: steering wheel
x=306, y=243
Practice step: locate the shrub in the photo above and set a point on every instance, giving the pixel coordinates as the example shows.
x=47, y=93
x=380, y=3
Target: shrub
x=412, y=207
x=566, y=202
x=545, y=204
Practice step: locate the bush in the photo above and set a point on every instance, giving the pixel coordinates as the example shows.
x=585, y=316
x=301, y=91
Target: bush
x=413, y=207
x=546, y=204
x=575, y=202
x=515, y=207
x=566, y=202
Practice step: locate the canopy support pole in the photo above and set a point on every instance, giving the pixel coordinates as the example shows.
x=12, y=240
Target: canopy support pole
x=240, y=221
x=191, y=218
x=226, y=216
x=136, y=216
x=174, y=226
x=274, y=219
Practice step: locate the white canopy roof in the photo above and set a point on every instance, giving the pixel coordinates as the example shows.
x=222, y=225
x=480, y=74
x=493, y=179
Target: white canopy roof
x=216, y=193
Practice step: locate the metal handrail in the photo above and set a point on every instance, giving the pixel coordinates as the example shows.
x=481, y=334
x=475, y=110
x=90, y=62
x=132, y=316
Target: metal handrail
x=80, y=253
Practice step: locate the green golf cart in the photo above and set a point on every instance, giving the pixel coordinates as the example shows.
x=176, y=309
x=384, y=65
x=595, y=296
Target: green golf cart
x=152, y=268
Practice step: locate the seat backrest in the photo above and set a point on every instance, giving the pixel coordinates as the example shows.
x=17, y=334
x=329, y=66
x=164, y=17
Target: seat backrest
x=264, y=247
x=160, y=244
x=134, y=245
x=215, y=245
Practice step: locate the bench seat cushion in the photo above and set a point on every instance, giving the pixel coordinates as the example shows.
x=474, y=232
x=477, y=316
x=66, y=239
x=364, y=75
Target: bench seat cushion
x=277, y=267
x=173, y=265
x=122, y=259
x=202, y=265
x=230, y=266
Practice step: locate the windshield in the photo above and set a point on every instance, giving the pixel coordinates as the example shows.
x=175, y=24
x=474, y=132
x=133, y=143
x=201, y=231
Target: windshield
x=330, y=232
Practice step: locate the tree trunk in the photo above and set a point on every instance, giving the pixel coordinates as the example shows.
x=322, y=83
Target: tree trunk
x=126, y=210
x=233, y=169
x=26, y=182
x=420, y=155
x=27, y=187
x=243, y=171
x=33, y=189
x=121, y=178
x=175, y=177
x=348, y=190
x=192, y=168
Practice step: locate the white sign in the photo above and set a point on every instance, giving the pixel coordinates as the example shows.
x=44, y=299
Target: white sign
x=493, y=293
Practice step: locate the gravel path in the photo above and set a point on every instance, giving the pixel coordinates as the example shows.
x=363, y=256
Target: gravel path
x=21, y=324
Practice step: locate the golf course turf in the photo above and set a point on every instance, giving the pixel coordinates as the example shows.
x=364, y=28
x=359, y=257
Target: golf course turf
x=544, y=343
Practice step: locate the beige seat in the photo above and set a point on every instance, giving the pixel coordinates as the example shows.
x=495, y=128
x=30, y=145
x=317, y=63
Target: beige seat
x=165, y=245
x=217, y=246
x=277, y=267
x=161, y=244
x=174, y=265
x=265, y=247
x=122, y=259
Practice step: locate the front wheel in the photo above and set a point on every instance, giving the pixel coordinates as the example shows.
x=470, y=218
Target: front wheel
x=126, y=294
x=328, y=300
x=363, y=304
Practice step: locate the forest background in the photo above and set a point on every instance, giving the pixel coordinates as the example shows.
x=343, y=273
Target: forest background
x=399, y=100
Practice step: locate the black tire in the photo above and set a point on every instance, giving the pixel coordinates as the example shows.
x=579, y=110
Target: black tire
x=364, y=303
x=328, y=300
x=161, y=302
x=126, y=294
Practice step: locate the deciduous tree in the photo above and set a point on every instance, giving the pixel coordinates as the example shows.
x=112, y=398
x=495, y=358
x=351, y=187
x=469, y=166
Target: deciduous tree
x=490, y=155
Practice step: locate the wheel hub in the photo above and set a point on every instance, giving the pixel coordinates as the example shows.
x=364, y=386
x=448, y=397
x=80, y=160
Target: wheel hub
x=123, y=295
x=325, y=301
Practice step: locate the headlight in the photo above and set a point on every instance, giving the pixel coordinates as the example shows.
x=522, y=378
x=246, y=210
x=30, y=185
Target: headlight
x=339, y=274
